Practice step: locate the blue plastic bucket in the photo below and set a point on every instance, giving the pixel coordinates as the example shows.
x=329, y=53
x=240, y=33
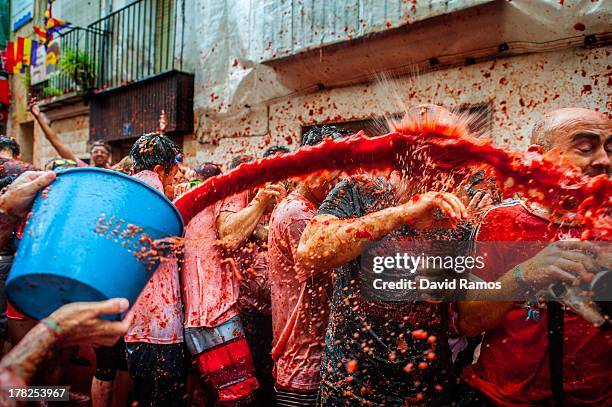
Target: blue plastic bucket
x=79, y=243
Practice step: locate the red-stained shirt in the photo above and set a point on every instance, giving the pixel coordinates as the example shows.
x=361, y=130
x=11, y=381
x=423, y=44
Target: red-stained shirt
x=512, y=369
x=158, y=311
x=300, y=310
x=252, y=261
x=210, y=289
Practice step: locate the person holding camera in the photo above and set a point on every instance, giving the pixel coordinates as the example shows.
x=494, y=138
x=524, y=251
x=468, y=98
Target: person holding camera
x=536, y=352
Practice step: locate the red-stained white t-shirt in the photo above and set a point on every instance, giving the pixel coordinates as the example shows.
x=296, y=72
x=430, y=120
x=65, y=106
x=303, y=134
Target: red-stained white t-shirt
x=252, y=262
x=158, y=311
x=210, y=289
x=300, y=309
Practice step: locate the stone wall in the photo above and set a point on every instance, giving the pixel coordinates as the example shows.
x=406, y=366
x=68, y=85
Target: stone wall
x=74, y=133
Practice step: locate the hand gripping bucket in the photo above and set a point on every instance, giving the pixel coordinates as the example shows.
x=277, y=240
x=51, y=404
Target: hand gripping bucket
x=81, y=240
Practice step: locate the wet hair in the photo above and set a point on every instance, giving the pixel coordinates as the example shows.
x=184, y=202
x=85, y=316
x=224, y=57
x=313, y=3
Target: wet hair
x=8, y=143
x=153, y=149
x=275, y=150
x=481, y=182
x=318, y=134
x=241, y=159
x=207, y=170
x=477, y=178
x=101, y=143
x=426, y=114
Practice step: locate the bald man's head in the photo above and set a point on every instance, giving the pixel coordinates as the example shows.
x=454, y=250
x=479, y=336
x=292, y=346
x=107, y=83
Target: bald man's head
x=582, y=136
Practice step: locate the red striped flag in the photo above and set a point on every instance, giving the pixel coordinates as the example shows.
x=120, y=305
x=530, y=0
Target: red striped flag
x=10, y=57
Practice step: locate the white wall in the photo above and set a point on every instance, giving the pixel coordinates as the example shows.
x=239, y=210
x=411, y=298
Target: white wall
x=519, y=89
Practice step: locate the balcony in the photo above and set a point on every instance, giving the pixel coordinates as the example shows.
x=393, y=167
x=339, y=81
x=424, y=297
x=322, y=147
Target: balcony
x=138, y=41
x=127, y=67
x=126, y=112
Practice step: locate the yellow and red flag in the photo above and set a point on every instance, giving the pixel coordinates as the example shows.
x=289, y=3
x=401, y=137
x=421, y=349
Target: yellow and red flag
x=42, y=34
x=51, y=25
x=55, y=25
x=18, y=56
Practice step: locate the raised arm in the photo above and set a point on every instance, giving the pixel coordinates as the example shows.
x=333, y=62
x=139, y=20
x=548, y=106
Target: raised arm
x=329, y=242
x=50, y=135
x=235, y=228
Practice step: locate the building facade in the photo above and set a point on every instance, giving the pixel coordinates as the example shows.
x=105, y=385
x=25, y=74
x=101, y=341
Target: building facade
x=237, y=76
x=108, y=76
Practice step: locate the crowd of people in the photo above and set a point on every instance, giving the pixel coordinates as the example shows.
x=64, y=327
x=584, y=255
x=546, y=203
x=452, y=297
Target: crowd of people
x=264, y=302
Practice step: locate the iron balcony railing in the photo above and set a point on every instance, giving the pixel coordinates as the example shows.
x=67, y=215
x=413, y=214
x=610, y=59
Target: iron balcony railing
x=130, y=44
x=74, y=70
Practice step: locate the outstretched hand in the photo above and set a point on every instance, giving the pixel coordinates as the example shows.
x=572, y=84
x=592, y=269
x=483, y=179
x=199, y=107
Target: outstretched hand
x=81, y=323
x=33, y=107
x=420, y=212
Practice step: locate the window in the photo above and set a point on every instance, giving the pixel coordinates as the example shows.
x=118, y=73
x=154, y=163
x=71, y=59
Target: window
x=480, y=122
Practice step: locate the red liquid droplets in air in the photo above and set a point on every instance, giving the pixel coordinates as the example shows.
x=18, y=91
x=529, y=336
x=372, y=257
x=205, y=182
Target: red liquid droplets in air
x=441, y=146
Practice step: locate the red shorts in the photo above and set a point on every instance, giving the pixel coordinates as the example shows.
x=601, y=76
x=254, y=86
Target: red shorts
x=229, y=367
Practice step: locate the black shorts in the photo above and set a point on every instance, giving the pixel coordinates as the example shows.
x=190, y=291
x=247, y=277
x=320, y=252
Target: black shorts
x=159, y=373
x=258, y=334
x=110, y=359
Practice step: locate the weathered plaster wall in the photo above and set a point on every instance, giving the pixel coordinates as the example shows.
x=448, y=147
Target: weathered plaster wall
x=519, y=90
x=73, y=132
